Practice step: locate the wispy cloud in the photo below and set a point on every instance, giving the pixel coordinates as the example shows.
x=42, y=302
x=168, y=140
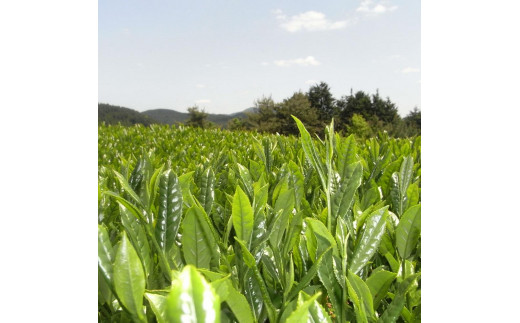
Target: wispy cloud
x=307, y=61
x=264, y=63
x=369, y=7
x=410, y=70
x=309, y=21
x=204, y=101
x=200, y=86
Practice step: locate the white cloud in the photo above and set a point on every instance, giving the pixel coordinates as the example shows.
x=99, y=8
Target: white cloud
x=264, y=64
x=203, y=101
x=307, y=61
x=310, y=21
x=201, y=86
x=410, y=70
x=370, y=8
x=311, y=82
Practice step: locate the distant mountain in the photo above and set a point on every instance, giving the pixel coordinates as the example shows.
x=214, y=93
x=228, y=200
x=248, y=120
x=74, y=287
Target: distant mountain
x=111, y=114
x=171, y=116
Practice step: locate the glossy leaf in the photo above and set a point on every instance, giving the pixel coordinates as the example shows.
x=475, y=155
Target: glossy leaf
x=308, y=310
x=158, y=304
x=170, y=211
x=393, y=311
x=242, y=214
x=379, y=284
x=285, y=204
x=328, y=278
x=363, y=292
x=197, y=244
x=105, y=254
x=192, y=299
x=311, y=152
x=305, y=281
x=408, y=231
x=207, y=190
x=370, y=240
x=129, y=280
x=137, y=234
x=344, y=197
x=250, y=262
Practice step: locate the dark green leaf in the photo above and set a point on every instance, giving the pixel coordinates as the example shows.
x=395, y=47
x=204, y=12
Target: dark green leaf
x=170, y=211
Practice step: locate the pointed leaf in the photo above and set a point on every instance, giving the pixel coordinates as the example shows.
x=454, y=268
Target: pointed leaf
x=129, y=280
x=363, y=292
x=105, y=253
x=370, y=239
x=408, y=231
x=192, y=299
x=158, y=304
x=379, y=283
x=242, y=214
x=170, y=211
x=197, y=244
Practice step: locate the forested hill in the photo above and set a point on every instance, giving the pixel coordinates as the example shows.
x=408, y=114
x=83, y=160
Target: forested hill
x=111, y=114
x=173, y=117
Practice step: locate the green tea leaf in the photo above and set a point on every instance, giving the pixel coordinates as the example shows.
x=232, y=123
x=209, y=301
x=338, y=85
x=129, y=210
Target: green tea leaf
x=370, y=239
x=242, y=214
x=379, y=284
x=158, y=304
x=170, y=211
x=393, y=311
x=207, y=190
x=105, y=253
x=197, y=244
x=129, y=280
x=192, y=299
x=408, y=231
x=363, y=292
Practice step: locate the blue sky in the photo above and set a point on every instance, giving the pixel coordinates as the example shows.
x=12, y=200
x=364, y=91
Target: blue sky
x=223, y=55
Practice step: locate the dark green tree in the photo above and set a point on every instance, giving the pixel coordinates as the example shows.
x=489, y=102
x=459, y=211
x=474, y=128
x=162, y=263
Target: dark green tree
x=299, y=106
x=322, y=100
x=413, y=120
x=264, y=117
x=198, y=118
x=358, y=103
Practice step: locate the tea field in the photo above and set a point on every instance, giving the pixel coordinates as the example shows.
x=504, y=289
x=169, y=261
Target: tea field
x=202, y=225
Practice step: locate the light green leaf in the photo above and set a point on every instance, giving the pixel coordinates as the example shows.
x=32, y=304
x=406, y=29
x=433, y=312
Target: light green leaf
x=192, y=299
x=129, y=280
x=105, y=253
x=197, y=244
x=363, y=292
x=242, y=214
x=370, y=239
x=158, y=304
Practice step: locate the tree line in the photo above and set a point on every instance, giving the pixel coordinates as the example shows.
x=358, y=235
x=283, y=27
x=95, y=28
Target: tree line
x=357, y=113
